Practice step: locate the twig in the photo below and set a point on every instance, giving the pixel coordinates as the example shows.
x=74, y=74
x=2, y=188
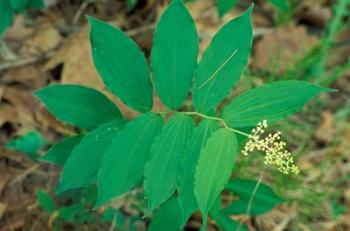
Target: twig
x=141, y=29
x=24, y=174
x=27, y=61
x=81, y=9
x=282, y=225
x=251, y=199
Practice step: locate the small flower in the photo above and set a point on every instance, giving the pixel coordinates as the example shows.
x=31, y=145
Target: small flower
x=273, y=147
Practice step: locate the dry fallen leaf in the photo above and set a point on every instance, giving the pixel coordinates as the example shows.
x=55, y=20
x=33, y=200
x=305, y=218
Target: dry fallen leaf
x=277, y=50
x=18, y=30
x=343, y=145
x=23, y=108
x=30, y=76
x=45, y=38
x=325, y=130
x=8, y=114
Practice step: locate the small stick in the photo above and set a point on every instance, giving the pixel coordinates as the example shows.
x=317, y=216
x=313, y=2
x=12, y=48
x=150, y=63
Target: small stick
x=27, y=61
x=251, y=199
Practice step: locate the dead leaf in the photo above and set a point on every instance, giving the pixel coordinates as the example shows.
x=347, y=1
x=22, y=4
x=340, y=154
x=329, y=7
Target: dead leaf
x=314, y=13
x=24, y=106
x=277, y=50
x=30, y=76
x=343, y=145
x=46, y=37
x=8, y=114
x=325, y=130
x=18, y=31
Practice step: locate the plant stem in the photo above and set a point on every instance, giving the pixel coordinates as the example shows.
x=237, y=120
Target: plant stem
x=251, y=199
x=216, y=119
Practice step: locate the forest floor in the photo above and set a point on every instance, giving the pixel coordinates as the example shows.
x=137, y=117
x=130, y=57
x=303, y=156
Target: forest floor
x=52, y=46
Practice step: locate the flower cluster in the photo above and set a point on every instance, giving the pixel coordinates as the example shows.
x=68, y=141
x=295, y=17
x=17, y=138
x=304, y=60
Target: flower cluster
x=273, y=147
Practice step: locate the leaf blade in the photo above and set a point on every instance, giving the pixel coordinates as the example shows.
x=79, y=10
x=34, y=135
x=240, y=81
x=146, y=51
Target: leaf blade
x=7, y=15
x=162, y=168
x=168, y=217
x=214, y=168
x=222, y=63
x=59, y=152
x=188, y=166
x=264, y=199
x=270, y=102
x=121, y=171
x=77, y=105
x=121, y=64
x=224, y=6
x=174, y=54
x=81, y=167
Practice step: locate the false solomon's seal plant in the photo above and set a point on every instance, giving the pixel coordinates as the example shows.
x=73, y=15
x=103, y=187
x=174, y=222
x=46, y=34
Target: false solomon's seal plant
x=183, y=159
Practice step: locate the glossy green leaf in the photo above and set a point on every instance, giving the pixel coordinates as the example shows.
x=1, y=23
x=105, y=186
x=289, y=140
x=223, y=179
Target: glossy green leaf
x=174, y=54
x=45, y=201
x=36, y=4
x=132, y=4
x=123, y=164
x=214, y=168
x=282, y=5
x=59, y=152
x=121, y=64
x=7, y=15
x=29, y=144
x=263, y=201
x=81, y=167
x=166, y=152
x=229, y=224
x=222, y=220
x=188, y=166
x=223, y=62
x=168, y=217
x=19, y=5
x=77, y=105
x=270, y=102
x=225, y=6
x=22, y=5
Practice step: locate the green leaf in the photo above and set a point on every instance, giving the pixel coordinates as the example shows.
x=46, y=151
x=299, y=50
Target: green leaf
x=76, y=214
x=123, y=164
x=223, y=221
x=188, y=166
x=81, y=167
x=282, y=5
x=36, y=4
x=225, y=6
x=168, y=217
x=29, y=144
x=132, y=4
x=223, y=62
x=166, y=152
x=19, y=5
x=7, y=15
x=270, y=102
x=214, y=168
x=174, y=54
x=45, y=201
x=228, y=224
x=263, y=201
x=121, y=64
x=77, y=105
x=60, y=151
